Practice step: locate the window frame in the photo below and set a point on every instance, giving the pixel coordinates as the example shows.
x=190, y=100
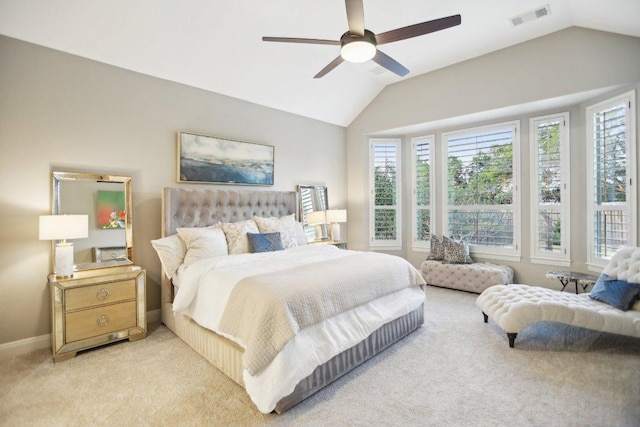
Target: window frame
x=385, y=244
x=494, y=252
x=417, y=244
x=597, y=263
x=538, y=256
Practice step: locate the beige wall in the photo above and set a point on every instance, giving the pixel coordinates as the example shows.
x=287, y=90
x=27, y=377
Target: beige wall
x=61, y=112
x=558, y=65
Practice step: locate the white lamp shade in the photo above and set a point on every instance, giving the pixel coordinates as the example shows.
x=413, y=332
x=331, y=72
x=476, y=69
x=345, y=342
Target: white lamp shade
x=316, y=217
x=336, y=215
x=61, y=227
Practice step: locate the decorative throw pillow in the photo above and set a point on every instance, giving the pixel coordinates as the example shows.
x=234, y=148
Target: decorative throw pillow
x=456, y=252
x=171, y=251
x=264, y=242
x=236, y=234
x=436, y=250
x=202, y=243
x=300, y=236
x=618, y=293
x=285, y=225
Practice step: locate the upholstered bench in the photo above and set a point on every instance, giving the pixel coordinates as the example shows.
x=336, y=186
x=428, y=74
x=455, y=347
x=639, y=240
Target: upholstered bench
x=475, y=277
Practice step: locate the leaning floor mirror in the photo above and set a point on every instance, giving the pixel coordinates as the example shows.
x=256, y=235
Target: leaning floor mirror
x=313, y=198
x=106, y=200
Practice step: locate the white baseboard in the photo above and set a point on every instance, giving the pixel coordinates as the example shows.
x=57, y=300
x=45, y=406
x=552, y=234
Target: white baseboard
x=27, y=345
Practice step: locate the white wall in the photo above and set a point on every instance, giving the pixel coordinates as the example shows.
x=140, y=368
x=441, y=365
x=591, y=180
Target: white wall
x=559, y=65
x=62, y=112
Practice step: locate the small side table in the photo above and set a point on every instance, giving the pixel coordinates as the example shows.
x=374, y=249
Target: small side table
x=566, y=277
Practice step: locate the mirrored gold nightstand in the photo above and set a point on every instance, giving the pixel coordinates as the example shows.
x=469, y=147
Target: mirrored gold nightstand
x=96, y=307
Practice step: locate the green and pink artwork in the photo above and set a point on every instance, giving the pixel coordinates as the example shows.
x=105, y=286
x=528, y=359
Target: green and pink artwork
x=111, y=209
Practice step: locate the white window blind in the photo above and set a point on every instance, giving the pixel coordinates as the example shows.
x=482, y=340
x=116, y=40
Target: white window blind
x=550, y=196
x=423, y=191
x=385, y=200
x=612, y=206
x=482, y=204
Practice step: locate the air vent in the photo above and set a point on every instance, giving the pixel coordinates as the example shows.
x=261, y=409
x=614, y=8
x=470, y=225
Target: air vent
x=378, y=70
x=531, y=16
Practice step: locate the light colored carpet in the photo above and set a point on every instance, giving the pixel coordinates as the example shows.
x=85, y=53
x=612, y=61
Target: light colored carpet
x=455, y=370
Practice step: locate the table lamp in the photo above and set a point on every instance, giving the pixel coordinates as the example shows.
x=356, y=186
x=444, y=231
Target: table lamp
x=63, y=227
x=334, y=217
x=317, y=219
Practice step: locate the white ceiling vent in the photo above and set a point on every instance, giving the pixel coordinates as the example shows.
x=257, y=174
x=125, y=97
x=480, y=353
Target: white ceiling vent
x=531, y=16
x=377, y=70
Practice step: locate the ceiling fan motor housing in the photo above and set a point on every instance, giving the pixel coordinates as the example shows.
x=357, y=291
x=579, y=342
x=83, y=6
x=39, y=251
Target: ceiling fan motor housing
x=358, y=48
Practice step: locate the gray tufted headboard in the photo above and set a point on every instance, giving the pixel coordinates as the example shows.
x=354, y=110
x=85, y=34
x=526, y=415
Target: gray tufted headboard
x=200, y=208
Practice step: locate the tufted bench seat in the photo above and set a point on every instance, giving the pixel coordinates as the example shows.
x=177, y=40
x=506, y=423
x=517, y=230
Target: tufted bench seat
x=517, y=306
x=474, y=277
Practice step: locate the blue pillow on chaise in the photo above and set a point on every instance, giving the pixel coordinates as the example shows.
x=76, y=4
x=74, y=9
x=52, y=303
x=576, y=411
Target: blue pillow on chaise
x=618, y=293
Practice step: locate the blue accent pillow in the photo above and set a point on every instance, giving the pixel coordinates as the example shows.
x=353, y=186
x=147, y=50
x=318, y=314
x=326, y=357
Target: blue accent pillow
x=264, y=242
x=618, y=293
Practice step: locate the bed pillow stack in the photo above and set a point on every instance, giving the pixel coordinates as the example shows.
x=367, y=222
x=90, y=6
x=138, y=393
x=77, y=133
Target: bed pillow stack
x=449, y=251
x=193, y=244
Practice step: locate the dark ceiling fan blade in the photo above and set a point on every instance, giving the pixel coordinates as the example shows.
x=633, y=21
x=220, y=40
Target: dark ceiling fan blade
x=418, y=29
x=355, y=16
x=297, y=40
x=333, y=64
x=390, y=64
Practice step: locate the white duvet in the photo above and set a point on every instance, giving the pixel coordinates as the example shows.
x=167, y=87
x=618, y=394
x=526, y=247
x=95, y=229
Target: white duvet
x=204, y=288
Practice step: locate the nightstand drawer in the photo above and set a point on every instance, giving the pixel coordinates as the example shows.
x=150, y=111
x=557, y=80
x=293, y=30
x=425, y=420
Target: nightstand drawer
x=103, y=293
x=99, y=321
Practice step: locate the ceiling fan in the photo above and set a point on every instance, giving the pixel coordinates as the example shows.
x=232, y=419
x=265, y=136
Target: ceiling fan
x=359, y=44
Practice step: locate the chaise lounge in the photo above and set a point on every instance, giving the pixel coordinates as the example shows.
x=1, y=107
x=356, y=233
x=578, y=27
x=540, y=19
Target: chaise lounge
x=514, y=307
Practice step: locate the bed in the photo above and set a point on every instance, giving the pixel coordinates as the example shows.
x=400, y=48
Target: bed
x=293, y=372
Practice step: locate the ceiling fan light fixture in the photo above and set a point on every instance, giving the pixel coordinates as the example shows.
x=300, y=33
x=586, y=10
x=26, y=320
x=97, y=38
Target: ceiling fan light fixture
x=358, y=51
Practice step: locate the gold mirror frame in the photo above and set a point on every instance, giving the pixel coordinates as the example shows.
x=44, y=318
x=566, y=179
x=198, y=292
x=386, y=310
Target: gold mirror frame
x=58, y=178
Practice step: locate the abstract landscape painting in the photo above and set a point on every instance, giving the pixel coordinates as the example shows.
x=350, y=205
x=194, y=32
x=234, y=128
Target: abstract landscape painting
x=217, y=160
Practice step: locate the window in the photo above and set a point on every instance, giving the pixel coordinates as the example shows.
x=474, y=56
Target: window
x=550, y=196
x=610, y=176
x=385, y=201
x=481, y=188
x=422, y=218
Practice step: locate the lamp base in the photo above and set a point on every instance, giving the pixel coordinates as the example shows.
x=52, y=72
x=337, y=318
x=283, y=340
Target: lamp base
x=63, y=267
x=335, y=232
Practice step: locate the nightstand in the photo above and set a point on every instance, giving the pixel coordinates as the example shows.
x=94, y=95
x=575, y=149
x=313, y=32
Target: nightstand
x=340, y=245
x=96, y=307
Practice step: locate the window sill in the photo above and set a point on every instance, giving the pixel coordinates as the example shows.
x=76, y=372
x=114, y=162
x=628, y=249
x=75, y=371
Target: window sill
x=551, y=261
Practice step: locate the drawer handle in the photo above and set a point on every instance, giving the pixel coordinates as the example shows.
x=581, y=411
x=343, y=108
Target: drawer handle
x=103, y=320
x=103, y=294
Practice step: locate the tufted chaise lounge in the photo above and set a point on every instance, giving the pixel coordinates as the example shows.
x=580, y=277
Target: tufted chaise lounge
x=516, y=306
x=474, y=277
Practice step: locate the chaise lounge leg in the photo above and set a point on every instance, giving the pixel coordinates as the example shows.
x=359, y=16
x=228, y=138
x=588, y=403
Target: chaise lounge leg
x=512, y=338
x=486, y=318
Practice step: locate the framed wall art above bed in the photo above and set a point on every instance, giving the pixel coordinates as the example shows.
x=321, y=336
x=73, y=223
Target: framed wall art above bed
x=208, y=159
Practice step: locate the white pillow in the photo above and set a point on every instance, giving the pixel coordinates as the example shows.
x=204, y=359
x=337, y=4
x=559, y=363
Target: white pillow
x=171, y=251
x=236, y=234
x=302, y=238
x=203, y=243
x=285, y=225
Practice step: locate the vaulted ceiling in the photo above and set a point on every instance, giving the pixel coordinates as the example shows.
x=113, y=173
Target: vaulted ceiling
x=217, y=45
